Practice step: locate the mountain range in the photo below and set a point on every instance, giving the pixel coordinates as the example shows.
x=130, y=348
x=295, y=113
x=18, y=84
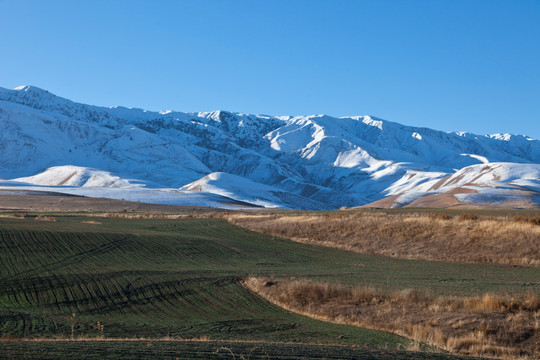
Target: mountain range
x=231, y=160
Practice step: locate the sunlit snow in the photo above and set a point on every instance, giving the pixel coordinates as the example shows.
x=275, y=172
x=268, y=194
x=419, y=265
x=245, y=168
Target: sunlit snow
x=310, y=162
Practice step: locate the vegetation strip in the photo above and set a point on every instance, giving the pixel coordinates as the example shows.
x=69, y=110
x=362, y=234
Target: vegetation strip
x=488, y=325
x=207, y=349
x=464, y=237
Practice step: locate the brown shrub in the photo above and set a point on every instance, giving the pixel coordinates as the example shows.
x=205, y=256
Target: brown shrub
x=520, y=219
x=531, y=220
x=45, y=218
x=467, y=216
x=440, y=216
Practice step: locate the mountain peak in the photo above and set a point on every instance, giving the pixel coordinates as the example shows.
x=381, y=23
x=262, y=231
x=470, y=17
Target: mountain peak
x=22, y=88
x=371, y=121
x=31, y=89
x=33, y=93
x=217, y=115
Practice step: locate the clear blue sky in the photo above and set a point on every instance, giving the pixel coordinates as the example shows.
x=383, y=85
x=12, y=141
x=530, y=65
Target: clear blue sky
x=452, y=65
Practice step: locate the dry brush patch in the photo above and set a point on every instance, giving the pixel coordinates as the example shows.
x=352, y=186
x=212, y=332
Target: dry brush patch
x=439, y=236
x=45, y=218
x=488, y=325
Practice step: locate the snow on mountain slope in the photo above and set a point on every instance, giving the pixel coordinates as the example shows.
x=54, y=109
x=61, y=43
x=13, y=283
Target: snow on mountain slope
x=314, y=162
x=242, y=189
x=76, y=176
x=493, y=174
x=148, y=195
x=33, y=140
x=486, y=184
x=377, y=158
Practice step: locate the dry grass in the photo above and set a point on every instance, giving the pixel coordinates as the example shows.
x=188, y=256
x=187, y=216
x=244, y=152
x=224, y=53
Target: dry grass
x=126, y=339
x=13, y=216
x=45, y=218
x=439, y=236
x=535, y=220
x=91, y=222
x=127, y=215
x=488, y=325
x=467, y=216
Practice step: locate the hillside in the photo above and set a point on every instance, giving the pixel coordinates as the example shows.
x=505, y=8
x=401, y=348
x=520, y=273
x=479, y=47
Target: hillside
x=161, y=279
x=315, y=162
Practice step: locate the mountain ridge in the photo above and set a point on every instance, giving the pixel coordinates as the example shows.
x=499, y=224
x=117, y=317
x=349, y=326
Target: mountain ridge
x=313, y=162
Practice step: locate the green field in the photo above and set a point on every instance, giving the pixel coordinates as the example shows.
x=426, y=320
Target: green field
x=182, y=278
x=173, y=350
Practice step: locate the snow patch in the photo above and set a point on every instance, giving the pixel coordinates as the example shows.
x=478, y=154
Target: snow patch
x=503, y=137
x=482, y=159
x=371, y=122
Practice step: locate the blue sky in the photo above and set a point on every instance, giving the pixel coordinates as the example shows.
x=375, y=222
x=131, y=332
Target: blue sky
x=451, y=65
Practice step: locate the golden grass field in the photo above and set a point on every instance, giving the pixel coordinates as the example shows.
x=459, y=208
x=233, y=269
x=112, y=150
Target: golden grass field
x=436, y=236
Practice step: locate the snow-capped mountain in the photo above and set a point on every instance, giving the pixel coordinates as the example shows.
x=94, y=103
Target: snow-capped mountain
x=308, y=162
